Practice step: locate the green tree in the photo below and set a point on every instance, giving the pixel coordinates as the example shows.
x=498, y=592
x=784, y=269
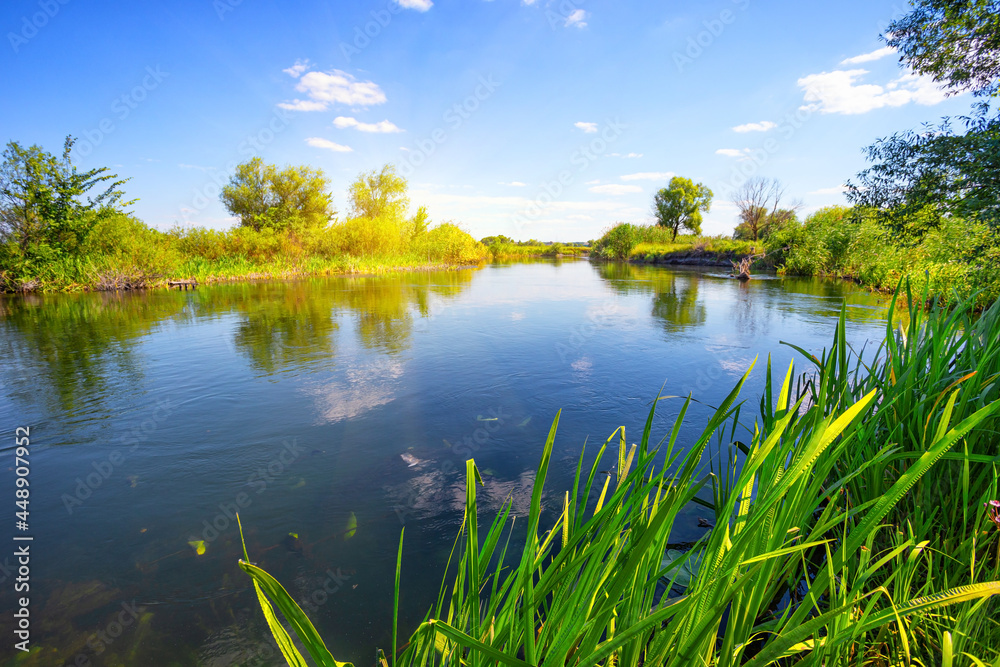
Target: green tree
x=917, y=177
x=681, y=204
x=379, y=193
x=42, y=205
x=262, y=196
x=420, y=222
x=955, y=41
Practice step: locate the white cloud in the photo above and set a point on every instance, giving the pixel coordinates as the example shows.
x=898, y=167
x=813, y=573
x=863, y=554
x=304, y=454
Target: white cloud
x=615, y=189
x=419, y=5
x=840, y=189
x=317, y=142
x=732, y=152
x=303, y=105
x=578, y=18
x=382, y=127
x=649, y=176
x=868, y=57
x=589, y=128
x=335, y=87
x=840, y=92
x=762, y=126
x=296, y=70
x=514, y=184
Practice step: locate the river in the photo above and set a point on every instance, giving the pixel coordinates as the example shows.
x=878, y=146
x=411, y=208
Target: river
x=339, y=409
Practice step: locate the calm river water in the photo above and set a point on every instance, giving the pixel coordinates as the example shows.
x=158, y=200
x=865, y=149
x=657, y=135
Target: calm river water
x=338, y=409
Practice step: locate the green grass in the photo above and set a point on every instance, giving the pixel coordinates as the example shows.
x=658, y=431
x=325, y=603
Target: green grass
x=123, y=253
x=850, y=528
x=506, y=251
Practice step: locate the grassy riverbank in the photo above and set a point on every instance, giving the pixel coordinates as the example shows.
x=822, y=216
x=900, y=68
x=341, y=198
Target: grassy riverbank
x=121, y=253
x=852, y=520
x=951, y=261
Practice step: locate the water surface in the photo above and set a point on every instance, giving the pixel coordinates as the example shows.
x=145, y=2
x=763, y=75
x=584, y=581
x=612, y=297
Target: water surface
x=314, y=404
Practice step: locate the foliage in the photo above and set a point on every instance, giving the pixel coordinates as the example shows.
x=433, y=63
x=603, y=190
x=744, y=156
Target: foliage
x=42, y=215
x=680, y=205
x=264, y=197
x=955, y=41
x=942, y=170
x=379, y=194
x=617, y=242
x=854, y=513
x=450, y=243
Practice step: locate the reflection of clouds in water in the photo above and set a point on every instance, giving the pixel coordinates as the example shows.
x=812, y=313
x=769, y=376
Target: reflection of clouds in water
x=363, y=388
x=736, y=365
x=435, y=492
x=582, y=365
x=517, y=316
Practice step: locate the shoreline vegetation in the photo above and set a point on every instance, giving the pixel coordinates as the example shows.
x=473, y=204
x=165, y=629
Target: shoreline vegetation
x=853, y=519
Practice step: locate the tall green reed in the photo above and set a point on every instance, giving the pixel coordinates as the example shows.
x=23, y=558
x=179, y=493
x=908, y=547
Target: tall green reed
x=829, y=547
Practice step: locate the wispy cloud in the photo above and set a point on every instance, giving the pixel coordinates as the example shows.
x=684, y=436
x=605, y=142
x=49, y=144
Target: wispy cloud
x=382, y=127
x=878, y=54
x=589, y=128
x=296, y=70
x=334, y=87
x=615, y=189
x=733, y=152
x=318, y=142
x=649, y=176
x=419, y=5
x=578, y=18
x=762, y=126
x=514, y=184
x=840, y=189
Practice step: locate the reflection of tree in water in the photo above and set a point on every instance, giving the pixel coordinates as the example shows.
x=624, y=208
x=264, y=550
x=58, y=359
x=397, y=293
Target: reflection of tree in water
x=287, y=327
x=676, y=303
x=67, y=350
x=675, y=294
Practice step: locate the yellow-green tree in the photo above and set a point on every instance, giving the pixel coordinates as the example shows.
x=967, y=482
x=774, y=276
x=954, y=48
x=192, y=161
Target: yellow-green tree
x=263, y=196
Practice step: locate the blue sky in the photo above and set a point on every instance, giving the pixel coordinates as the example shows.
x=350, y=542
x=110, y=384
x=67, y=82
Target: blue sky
x=547, y=120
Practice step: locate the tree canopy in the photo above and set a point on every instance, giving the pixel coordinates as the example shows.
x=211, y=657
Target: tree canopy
x=379, y=193
x=263, y=196
x=916, y=177
x=680, y=205
x=45, y=203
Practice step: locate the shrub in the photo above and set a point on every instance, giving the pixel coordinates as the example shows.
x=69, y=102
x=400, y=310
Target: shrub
x=618, y=242
x=450, y=243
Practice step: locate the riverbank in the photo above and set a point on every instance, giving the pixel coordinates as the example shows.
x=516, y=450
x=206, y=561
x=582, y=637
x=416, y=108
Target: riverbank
x=123, y=253
x=951, y=262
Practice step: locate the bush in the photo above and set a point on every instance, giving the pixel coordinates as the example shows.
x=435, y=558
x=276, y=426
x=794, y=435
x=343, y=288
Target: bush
x=450, y=243
x=618, y=242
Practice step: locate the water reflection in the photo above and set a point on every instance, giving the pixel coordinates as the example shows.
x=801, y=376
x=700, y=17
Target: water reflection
x=70, y=351
x=675, y=295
